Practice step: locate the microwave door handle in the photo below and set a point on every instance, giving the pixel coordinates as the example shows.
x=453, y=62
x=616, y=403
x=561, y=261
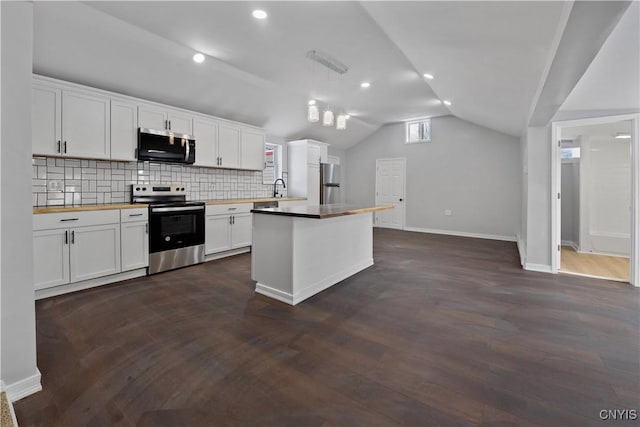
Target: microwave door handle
x=186, y=156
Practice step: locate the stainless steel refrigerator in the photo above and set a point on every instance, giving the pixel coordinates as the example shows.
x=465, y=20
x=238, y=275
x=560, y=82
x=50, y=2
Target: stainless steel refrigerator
x=329, y=183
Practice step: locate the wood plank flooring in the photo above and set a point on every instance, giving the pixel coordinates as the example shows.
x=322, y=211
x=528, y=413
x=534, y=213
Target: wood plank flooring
x=441, y=331
x=593, y=264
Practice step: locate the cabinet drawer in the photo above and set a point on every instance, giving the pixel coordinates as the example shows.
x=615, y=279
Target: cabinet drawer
x=234, y=208
x=75, y=219
x=133, y=215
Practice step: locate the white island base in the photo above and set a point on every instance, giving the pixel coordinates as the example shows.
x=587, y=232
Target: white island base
x=294, y=258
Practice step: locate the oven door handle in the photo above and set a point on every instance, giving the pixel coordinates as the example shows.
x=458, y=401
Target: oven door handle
x=178, y=209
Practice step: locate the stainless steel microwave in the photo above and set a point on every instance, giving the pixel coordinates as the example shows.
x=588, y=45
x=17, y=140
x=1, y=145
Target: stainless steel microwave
x=166, y=146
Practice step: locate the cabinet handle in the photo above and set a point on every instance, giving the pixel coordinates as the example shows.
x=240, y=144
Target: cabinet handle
x=169, y=124
x=73, y=237
x=146, y=228
x=58, y=146
x=138, y=214
x=230, y=220
x=66, y=237
x=68, y=219
x=233, y=221
x=65, y=147
x=220, y=161
x=166, y=125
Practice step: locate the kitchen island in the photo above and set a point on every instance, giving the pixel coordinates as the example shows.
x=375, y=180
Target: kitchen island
x=302, y=250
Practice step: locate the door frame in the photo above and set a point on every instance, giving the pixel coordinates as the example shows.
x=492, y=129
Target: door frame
x=556, y=219
x=404, y=188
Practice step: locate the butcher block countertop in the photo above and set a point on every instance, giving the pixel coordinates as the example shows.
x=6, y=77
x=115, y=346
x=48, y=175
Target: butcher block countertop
x=322, y=211
x=106, y=206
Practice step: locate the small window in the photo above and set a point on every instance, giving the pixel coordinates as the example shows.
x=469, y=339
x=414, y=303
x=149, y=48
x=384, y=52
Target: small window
x=570, y=153
x=419, y=131
x=272, y=163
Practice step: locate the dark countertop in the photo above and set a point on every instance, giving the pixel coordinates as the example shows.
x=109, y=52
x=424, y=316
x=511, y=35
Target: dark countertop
x=322, y=211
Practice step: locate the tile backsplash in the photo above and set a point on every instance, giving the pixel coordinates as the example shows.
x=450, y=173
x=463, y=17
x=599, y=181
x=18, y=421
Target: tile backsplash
x=59, y=181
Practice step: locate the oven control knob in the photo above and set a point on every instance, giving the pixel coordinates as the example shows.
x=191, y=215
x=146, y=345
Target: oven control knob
x=167, y=238
x=144, y=188
x=178, y=189
x=137, y=188
x=182, y=189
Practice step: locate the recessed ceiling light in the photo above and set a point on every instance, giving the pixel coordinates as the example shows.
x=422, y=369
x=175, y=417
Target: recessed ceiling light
x=198, y=57
x=623, y=136
x=447, y=103
x=428, y=76
x=259, y=14
x=365, y=84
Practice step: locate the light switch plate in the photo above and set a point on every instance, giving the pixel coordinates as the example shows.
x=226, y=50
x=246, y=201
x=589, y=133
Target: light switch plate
x=55, y=185
x=448, y=212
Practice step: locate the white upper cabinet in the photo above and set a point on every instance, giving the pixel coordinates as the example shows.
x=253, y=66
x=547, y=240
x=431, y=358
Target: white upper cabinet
x=78, y=121
x=252, y=149
x=159, y=118
x=124, y=130
x=228, y=146
x=206, y=133
x=46, y=114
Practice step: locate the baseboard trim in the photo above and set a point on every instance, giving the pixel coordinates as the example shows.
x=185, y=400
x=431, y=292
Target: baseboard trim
x=603, y=254
x=315, y=288
x=538, y=267
x=571, y=244
x=462, y=234
x=521, y=250
x=213, y=257
x=573, y=273
x=23, y=388
x=91, y=283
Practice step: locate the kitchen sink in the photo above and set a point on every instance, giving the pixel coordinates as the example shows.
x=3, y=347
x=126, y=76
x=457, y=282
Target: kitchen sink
x=264, y=205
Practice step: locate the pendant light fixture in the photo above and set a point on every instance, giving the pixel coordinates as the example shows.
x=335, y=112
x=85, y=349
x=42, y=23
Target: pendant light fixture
x=313, y=111
x=341, y=120
x=327, y=116
x=313, y=114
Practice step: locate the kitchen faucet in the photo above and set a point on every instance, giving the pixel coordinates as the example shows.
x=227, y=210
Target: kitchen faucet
x=275, y=188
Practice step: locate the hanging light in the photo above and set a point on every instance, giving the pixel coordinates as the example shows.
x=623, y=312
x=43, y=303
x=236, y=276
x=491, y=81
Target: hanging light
x=313, y=114
x=327, y=117
x=341, y=122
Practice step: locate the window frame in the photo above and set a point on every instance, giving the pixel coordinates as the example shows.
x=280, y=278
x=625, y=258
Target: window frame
x=421, y=123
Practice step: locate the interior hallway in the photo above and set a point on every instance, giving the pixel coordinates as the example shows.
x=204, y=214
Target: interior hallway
x=610, y=267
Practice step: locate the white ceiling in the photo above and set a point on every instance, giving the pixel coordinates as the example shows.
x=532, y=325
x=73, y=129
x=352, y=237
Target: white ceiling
x=487, y=58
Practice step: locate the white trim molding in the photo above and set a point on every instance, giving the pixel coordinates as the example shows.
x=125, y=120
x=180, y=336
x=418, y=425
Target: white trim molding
x=23, y=388
x=521, y=250
x=571, y=244
x=462, y=234
x=538, y=267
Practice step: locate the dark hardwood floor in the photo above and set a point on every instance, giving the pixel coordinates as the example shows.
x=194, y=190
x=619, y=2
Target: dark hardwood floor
x=440, y=331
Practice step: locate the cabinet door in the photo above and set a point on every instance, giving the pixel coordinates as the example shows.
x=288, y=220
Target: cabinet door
x=206, y=134
x=217, y=234
x=50, y=258
x=85, y=125
x=252, y=150
x=229, y=146
x=124, y=130
x=134, y=238
x=152, y=117
x=313, y=155
x=241, y=230
x=95, y=251
x=46, y=108
x=179, y=122
x=313, y=185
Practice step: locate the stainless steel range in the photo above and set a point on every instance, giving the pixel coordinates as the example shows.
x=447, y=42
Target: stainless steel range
x=176, y=227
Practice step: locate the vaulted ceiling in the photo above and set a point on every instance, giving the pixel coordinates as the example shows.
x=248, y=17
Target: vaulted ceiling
x=487, y=58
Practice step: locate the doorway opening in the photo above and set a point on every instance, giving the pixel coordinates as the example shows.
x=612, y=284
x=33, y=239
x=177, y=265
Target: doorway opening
x=596, y=208
x=390, y=190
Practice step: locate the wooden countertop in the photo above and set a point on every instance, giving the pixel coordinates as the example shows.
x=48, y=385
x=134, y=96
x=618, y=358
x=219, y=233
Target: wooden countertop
x=322, y=211
x=106, y=206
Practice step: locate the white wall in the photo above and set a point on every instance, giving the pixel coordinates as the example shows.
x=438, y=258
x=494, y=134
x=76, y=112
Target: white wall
x=19, y=371
x=538, y=216
x=473, y=171
x=570, y=202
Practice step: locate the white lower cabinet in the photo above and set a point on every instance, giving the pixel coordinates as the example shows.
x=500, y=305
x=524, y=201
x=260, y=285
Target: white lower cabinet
x=228, y=227
x=134, y=240
x=76, y=246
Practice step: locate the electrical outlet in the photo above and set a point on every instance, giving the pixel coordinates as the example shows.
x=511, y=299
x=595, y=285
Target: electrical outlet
x=55, y=185
x=448, y=212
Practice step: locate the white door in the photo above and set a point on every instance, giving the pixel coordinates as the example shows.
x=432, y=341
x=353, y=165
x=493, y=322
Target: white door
x=241, y=230
x=134, y=238
x=314, y=156
x=85, y=125
x=390, y=179
x=217, y=234
x=229, y=146
x=252, y=150
x=313, y=185
x=152, y=117
x=95, y=251
x=50, y=258
x=206, y=134
x=180, y=122
x=124, y=130
x=46, y=109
